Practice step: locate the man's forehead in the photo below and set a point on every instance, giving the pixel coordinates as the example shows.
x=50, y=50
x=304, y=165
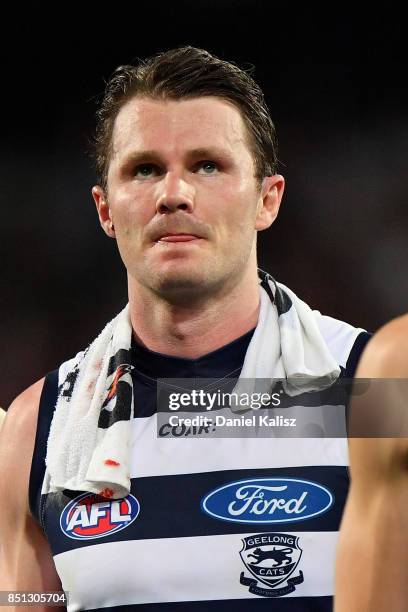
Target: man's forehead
x=199, y=122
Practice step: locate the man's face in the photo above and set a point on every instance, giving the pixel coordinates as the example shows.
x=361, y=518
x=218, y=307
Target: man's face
x=182, y=195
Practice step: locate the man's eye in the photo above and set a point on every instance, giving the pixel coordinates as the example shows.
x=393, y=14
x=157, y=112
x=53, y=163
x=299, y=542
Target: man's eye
x=145, y=170
x=207, y=167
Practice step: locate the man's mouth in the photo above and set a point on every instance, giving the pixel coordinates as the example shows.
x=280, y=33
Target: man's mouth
x=178, y=238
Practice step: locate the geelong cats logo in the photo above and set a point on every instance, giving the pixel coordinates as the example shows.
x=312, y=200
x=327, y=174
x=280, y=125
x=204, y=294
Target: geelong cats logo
x=271, y=558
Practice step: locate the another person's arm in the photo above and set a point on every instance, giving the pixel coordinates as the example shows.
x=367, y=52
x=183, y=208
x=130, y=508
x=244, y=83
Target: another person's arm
x=26, y=562
x=372, y=561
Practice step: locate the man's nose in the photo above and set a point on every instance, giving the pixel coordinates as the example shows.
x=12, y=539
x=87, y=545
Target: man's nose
x=175, y=194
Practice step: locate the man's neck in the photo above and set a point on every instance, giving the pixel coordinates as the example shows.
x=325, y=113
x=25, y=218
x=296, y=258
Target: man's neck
x=193, y=330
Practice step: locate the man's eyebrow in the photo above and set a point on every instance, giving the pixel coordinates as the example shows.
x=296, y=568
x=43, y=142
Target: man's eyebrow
x=151, y=155
x=135, y=157
x=205, y=152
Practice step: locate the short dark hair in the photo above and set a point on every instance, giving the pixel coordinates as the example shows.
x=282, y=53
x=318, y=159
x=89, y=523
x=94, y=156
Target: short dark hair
x=187, y=72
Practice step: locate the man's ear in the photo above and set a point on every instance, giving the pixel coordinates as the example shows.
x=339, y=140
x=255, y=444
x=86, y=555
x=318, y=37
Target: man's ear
x=269, y=201
x=104, y=211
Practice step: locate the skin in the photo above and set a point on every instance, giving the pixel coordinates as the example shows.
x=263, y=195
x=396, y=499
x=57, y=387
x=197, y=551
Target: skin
x=206, y=287
x=372, y=558
x=26, y=563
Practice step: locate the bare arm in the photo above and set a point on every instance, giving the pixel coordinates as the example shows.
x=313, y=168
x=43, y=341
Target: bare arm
x=26, y=562
x=372, y=559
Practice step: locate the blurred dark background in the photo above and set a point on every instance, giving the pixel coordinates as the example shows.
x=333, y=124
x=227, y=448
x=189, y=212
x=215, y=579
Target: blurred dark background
x=337, y=88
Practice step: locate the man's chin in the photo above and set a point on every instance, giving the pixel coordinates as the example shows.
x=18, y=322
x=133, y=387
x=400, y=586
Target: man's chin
x=180, y=287
x=180, y=282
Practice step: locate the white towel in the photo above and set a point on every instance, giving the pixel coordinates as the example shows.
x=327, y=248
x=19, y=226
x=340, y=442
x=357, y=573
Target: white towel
x=88, y=444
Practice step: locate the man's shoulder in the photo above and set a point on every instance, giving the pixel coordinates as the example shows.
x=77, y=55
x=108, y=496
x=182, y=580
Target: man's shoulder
x=17, y=439
x=387, y=352
x=346, y=342
x=23, y=411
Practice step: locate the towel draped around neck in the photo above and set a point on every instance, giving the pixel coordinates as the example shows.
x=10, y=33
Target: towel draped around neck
x=88, y=446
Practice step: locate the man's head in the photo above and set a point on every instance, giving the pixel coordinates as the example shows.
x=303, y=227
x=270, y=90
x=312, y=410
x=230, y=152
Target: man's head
x=185, y=144
x=186, y=73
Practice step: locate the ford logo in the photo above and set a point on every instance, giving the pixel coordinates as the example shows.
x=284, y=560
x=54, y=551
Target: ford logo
x=268, y=500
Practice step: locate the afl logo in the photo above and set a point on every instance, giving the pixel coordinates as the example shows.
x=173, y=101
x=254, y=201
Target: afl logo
x=91, y=516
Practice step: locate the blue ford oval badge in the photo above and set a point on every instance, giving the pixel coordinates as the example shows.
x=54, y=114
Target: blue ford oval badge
x=268, y=500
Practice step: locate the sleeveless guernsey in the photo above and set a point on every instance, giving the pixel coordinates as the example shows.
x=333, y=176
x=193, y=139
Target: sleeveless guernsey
x=210, y=524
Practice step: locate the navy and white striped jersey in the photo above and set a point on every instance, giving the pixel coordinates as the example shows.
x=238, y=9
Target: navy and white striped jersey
x=226, y=524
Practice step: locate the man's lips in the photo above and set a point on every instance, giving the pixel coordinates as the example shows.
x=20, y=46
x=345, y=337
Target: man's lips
x=178, y=238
